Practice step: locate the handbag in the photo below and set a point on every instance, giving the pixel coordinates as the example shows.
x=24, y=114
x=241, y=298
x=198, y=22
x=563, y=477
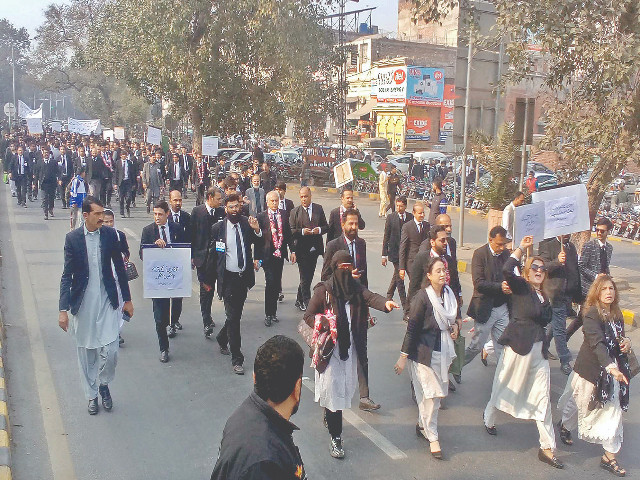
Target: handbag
x=324, y=349
x=132, y=271
x=634, y=367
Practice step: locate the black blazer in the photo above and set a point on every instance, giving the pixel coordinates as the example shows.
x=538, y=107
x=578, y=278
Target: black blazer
x=200, y=224
x=171, y=172
x=15, y=165
x=563, y=281
x=528, y=316
x=593, y=353
x=185, y=223
x=151, y=233
x=422, y=330
x=418, y=274
x=75, y=275
x=288, y=206
x=124, y=244
x=335, y=226
x=216, y=261
x=391, y=239
x=340, y=243
x=266, y=248
x=487, y=276
x=49, y=173
x=452, y=260
x=66, y=166
x=299, y=220
x=410, y=241
x=96, y=168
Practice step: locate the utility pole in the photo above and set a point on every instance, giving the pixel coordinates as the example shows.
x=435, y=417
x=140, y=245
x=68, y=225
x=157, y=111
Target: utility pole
x=498, y=90
x=342, y=79
x=13, y=71
x=523, y=158
x=465, y=142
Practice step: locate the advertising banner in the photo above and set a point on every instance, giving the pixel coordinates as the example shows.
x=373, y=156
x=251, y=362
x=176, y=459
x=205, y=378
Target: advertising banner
x=390, y=85
x=425, y=86
x=418, y=128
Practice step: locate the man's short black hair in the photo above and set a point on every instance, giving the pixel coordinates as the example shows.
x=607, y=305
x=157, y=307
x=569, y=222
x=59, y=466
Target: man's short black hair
x=349, y=211
x=163, y=205
x=232, y=197
x=438, y=182
x=435, y=230
x=606, y=222
x=497, y=230
x=281, y=185
x=402, y=199
x=211, y=192
x=518, y=195
x=344, y=190
x=88, y=202
x=278, y=366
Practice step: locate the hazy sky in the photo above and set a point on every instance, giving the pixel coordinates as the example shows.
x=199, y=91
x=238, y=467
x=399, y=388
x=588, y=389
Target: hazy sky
x=28, y=13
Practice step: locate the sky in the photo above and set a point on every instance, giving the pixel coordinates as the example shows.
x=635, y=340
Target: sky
x=28, y=13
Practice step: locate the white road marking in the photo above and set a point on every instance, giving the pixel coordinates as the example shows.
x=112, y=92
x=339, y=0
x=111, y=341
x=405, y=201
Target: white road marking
x=367, y=430
x=55, y=433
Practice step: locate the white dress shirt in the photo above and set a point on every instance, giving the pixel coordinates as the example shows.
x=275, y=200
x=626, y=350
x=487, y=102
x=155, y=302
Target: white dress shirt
x=166, y=231
x=232, y=250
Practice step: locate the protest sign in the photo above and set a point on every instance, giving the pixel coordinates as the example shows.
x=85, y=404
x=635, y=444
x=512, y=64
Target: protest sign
x=118, y=133
x=166, y=271
x=107, y=135
x=342, y=173
x=56, y=126
x=210, y=146
x=154, y=135
x=24, y=111
x=84, y=127
x=529, y=220
x=566, y=209
x=34, y=125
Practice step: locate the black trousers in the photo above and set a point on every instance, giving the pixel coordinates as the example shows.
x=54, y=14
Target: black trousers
x=200, y=191
x=206, y=299
x=273, y=284
x=49, y=191
x=161, y=317
x=234, y=297
x=398, y=283
x=334, y=422
x=21, y=188
x=124, y=190
x=306, y=268
x=392, y=202
x=62, y=188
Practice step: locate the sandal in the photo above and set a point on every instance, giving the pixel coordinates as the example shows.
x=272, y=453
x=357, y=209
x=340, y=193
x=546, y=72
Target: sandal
x=612, y=465
x=565, y=435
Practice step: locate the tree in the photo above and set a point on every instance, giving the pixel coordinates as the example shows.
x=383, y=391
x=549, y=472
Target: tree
x=58, y=64
x=232, y=66
x=593, y=52
x=19, y=38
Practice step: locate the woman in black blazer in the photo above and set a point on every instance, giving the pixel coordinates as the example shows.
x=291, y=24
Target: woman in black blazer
x=428, y=344
x=522, y=380
x=597, y=391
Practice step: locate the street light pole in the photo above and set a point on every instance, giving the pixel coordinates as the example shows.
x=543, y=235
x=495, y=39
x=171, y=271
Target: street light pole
x=342, y=78
x=13, y=72
x=463, y=172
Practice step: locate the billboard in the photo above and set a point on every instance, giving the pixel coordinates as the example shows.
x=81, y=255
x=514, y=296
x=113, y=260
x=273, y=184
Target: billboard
x=418, y=128
x=446, y=112
x=390, y=84
x=424, y=86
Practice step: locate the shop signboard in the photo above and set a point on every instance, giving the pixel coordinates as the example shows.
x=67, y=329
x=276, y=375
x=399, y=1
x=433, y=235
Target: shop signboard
x=418, y=128
x=446, y=112
x=390, y=84
x=424, y=86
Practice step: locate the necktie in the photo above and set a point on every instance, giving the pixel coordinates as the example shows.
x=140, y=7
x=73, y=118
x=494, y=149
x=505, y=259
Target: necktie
x=603, y=259
x=176, y=172
x=352, y=248
x=308, y=210
x=164, y=234
x=21, y=166
x=419, y=227
x=402, y=217
x=176, y=218
x=239, y=251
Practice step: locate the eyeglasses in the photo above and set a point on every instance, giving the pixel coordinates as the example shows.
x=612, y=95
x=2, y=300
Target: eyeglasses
x=538, y=268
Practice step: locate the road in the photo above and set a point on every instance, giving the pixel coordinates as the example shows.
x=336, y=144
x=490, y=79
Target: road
x=167, y=419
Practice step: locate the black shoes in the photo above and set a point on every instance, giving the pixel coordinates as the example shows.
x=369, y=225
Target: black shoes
x=120, y=340
x=550, y=460
x=208, y=330
x=225, y=350
x=337, y=450
x=107, y=402
x=566, y=368
x=565, y=435
x=178, y=325
x=457, y=378
x=267, y=321
x=452, y=387
x=301, y=306
x=171, y=331
x=164, y=356
x=274, y=318
x=490, y=430
x=93, y=406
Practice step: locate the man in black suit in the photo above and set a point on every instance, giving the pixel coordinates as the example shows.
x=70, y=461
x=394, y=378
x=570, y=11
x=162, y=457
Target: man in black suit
x=48, y=181
x=66, y=173
x=285, y=203
x=187, y=164
x=166, y=311
x=562, y=286
x=20, y=175
x=200, y=178
x=308, y=224
x=87, y=284
x=96, y=173
x=488, y=305
x=335, y=217
x=391, y=248
x=349, y=242
x=125, y=176
x=35, y=161
x=203, y=217
x=176, y=173
x=178, y=215
x=272, y=252
x=230, y=261
x=412, y=235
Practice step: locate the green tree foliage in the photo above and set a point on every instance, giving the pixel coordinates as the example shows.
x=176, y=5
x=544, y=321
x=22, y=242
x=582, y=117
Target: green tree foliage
x=231, y=65
x=593, y=52
x=19, y=38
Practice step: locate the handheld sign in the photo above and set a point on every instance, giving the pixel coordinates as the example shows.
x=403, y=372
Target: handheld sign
x=529, y=220
x=342, y=173
x=210, y=146
x=566, y=209
x=154, y=135
x=166, y=271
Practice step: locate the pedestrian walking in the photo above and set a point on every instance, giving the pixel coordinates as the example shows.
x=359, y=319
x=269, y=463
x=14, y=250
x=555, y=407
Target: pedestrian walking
x=597, y=392
x=176, y=173
x=428, y=344
x=20, y=175
x=383, y=184
x=77, y=194
x=509, y=214
x=393, y=184
x=391, y=248
x=521, y=386
x=49, y=181
x=152, y=180
x=336, y=215
x=254, y=197
x=257, y=441
x=412, y=235
x=438, y=203
x=88, y=291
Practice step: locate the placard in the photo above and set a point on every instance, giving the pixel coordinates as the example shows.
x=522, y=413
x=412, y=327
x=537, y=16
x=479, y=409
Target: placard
x=210, y=146
x=34, y=125
x=56, y=126
x=154, y=135
x=107, y=135
x=342, y=173
x=118, y=132
x=166, y=272
x=84, y=127
x=529, y=220
x=566, y=209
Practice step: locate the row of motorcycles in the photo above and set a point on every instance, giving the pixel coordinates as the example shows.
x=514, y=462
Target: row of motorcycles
x=626, y=221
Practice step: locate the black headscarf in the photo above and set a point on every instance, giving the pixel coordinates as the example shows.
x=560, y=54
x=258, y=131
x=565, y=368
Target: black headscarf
x=343, y=289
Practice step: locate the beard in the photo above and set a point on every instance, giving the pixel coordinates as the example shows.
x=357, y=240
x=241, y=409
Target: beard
x=233, y=217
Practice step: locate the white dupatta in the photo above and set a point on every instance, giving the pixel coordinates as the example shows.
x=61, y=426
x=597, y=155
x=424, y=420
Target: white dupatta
x=445, y=315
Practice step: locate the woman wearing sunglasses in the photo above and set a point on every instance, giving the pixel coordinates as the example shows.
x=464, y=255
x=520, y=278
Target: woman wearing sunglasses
x=597, y=391
x=522, y=380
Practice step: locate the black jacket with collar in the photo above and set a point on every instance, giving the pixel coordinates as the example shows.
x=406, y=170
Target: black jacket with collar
x=340, y=243
x=487, y=276
x=335, y=225
x=151, y=233
x=266, y=248
x=201, y=222
x=391, y=239
x=410, y=241
x=563, y=280
x=299, y=220
x=184, y=222
x=257, y=444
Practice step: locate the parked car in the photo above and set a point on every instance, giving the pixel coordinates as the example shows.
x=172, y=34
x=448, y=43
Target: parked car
x=546, y=180
x=538, y=167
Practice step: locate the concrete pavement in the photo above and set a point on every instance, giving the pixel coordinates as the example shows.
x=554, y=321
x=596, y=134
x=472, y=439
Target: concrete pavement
x=167, y=420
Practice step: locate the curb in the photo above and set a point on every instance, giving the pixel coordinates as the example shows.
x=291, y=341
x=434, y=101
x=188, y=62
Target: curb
x=5, y=425
x=618, y=239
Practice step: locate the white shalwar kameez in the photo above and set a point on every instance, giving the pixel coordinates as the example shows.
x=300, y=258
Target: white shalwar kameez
x=335, y=387
x=95, y=327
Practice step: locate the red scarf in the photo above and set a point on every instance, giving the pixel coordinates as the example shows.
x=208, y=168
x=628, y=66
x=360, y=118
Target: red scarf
x=201, y=173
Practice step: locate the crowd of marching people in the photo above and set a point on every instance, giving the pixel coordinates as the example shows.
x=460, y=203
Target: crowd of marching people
x=243, y=222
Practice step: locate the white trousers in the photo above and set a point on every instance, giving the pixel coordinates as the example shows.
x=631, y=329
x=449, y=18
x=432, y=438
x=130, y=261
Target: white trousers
x=545, y=428
x=428, y=417
x=97, y=367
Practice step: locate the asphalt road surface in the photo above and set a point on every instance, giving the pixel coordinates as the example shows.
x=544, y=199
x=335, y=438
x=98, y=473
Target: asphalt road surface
x=167, y=419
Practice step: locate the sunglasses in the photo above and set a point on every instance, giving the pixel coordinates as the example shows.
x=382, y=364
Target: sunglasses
x=538, y=268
